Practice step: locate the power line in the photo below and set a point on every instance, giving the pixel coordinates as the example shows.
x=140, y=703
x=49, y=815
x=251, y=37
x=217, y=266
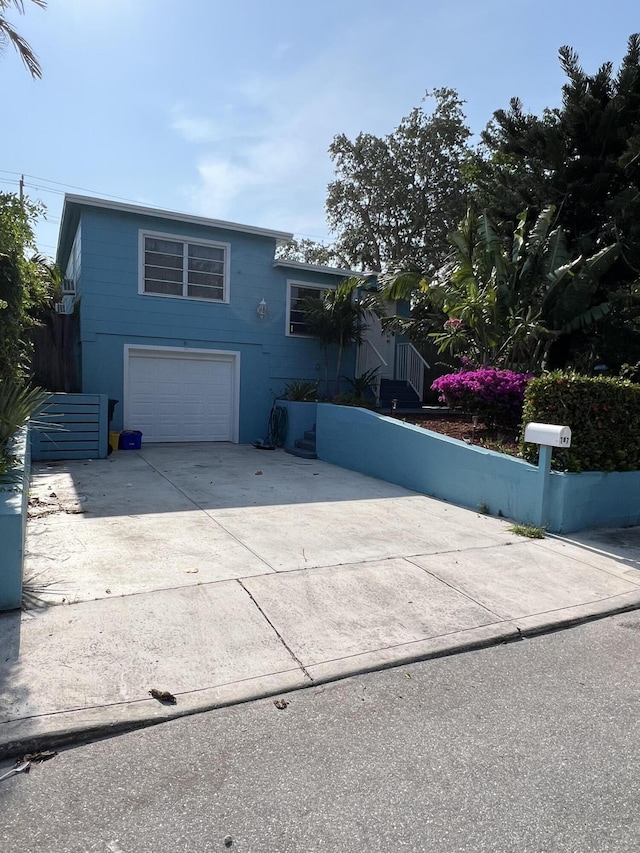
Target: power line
x=325, y=240
x=82, y=189
x=45, y=189
x=66, y=186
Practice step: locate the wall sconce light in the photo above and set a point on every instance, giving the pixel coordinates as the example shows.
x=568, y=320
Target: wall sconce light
x=262, y=309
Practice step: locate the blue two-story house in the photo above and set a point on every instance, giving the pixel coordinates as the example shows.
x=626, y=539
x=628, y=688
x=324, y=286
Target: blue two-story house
x=190, y=323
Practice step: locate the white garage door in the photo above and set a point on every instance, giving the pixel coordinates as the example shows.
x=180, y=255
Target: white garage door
x=181, y=396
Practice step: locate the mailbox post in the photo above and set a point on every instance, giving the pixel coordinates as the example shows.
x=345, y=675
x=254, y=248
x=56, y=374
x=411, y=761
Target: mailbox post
x=547, y=436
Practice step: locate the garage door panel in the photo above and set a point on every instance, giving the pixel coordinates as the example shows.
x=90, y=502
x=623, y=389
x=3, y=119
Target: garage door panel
x=175, y=397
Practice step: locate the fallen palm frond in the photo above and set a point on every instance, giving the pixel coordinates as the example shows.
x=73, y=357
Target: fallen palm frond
x=33, y=590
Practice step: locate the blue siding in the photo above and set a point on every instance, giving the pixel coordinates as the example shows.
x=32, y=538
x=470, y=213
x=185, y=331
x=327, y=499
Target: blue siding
x=113, y=313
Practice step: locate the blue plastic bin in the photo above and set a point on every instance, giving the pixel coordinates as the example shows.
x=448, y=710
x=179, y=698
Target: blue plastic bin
x=131, y=439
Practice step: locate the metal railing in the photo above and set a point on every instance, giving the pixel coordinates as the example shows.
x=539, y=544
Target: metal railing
x=410, y=367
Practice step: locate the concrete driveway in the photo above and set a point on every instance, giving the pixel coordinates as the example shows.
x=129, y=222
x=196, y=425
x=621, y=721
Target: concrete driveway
x=220, y=573
x=178, y=515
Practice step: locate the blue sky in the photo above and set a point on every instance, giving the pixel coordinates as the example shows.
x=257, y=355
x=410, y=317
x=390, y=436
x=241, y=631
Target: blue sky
x=227, y=109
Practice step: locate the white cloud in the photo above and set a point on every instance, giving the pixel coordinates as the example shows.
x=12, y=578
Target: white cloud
x=194, y=128
x=264, y=159
x=221, y=183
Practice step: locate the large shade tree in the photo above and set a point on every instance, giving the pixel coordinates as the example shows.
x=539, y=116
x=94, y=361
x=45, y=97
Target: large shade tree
x=584, y=158
x=395, y=198
x=307, y=251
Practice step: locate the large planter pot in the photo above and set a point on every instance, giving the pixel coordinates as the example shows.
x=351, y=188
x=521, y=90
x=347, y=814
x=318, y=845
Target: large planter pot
x=301, y=417
x=14, y=497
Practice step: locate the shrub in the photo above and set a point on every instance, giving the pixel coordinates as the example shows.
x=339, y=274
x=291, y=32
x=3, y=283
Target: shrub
x=365, y=383
x=495, y=395
x=603, y=413
x=302, y=392
x=351, y=399
x=17, y=403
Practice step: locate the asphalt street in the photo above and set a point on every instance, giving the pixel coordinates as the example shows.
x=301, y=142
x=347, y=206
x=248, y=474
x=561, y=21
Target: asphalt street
x=530, y=746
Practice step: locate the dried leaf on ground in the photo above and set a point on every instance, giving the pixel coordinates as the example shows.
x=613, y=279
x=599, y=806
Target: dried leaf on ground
x=37, y=757
x=163, y=696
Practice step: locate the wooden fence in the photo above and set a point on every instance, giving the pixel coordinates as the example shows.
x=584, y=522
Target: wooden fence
x=55, y=357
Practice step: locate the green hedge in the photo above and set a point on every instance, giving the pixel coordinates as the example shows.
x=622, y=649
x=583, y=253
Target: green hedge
x=604, y=416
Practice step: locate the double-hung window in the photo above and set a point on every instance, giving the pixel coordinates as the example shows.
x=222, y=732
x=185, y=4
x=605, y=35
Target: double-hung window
x=190, y=269
x=296, y=324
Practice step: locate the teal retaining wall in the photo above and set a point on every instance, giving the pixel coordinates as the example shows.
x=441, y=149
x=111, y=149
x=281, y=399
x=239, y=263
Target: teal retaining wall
x=300, y=417
x=14, y=498
x=594, y=499
x=472, y=476
x=74, y=427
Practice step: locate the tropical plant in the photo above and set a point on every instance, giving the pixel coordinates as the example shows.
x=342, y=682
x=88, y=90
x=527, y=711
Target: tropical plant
x=17, y=404
x=9, y=35
x=366, y=383
x=338, y=319
x=302, y=391
x=506, y=304
x=352, y=399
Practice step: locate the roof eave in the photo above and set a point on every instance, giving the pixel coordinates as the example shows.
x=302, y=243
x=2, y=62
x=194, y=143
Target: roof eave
x=141, y=210
x=298, y=265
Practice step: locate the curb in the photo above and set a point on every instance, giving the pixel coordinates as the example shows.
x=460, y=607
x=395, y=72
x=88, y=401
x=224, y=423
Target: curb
x=65, y=728
x=84, y=725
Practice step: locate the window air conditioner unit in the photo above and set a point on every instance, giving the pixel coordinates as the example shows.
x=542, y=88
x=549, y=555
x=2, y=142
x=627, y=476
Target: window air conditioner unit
x=66, y=306
x=68, y=285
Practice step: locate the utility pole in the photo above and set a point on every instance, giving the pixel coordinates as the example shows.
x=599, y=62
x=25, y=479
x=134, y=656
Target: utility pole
x=21, y=187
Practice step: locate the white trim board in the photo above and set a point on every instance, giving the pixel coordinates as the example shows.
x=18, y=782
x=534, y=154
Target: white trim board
x=91, y=201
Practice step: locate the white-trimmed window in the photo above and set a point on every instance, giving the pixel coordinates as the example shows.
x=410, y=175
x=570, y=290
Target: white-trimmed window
x=188, y=269
x=297, y=292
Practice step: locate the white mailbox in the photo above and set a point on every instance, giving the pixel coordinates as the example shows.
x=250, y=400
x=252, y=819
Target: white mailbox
x=550, y=435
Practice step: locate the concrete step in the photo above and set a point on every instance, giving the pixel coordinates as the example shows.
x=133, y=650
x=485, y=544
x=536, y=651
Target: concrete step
x=396, y=389
x=303, y=454
x=310, y=435
x=304, y=444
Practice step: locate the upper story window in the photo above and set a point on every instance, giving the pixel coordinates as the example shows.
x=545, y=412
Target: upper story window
x=192, y=269
x=295, y=315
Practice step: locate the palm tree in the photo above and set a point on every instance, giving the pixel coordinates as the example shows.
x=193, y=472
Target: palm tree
x=338, y=318
x=9, y=35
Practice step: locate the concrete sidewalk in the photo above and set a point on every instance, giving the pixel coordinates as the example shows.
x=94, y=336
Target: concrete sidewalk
x=222, y=573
